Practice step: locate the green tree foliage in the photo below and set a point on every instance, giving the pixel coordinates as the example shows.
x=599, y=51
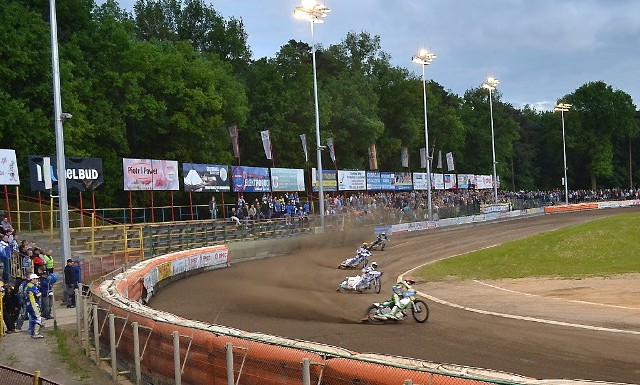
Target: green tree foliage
x=604, y=117
x=166, y=81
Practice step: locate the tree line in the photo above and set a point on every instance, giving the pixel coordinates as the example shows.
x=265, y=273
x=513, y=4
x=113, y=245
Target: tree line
x=167, y=80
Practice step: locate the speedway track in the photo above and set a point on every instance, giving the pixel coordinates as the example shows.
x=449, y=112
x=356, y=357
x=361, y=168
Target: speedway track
x=294, y=296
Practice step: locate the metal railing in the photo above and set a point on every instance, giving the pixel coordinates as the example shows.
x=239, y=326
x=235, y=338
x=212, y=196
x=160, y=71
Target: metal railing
x=11, y=376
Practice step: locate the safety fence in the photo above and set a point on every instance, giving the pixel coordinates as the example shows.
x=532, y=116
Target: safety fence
x=154, y=347
x=11, y=376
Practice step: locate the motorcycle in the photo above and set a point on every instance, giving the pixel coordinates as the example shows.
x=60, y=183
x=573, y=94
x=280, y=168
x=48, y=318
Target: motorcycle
x=352, y=283
x=418, y=308
x=378, y=244
x=354, y=263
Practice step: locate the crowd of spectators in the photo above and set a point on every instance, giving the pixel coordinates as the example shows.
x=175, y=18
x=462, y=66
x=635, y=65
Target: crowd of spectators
x=398, y=207
x=26, y=268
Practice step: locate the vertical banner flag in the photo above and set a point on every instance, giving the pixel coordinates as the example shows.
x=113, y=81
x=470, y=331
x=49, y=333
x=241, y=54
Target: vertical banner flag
x=439, y=158
x=266, y=143
x=373, y=158
x=404, y=156
x=332, y=150
x=9, y=168
x=233, y=132
x=450, y=165
x=423, y=158
x=303, y=139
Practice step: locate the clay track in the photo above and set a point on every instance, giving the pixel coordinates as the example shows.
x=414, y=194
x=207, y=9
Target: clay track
x=294, y=296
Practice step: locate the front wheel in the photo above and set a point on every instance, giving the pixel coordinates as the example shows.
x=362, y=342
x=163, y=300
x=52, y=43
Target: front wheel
x=377, y=284
x=420, y=311
x=371, y=313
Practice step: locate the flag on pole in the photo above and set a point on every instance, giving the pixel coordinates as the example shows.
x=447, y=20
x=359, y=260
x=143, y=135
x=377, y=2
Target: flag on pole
x=439, y=159
x=450, y=165
x=373, y=158
x=233, y=132
x=404, y=156
x=266, y=143
x=332, y=150
x=303, y=139
x=423, y=158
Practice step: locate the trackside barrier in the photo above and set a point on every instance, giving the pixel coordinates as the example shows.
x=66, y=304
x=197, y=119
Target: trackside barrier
x=164, y=348
x=11, y=376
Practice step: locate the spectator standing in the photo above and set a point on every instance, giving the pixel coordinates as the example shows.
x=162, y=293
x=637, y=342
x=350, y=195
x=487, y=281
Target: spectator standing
x=48, y=261
x=70, y=283
x=213, y=209
x=38, y=261
x=5, y=258
x=46, y=288
x=77, y=272
x=11, y=305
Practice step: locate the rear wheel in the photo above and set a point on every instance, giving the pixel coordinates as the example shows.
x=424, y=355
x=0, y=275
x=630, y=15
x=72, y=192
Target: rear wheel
x=420, y=311
x=371, y=313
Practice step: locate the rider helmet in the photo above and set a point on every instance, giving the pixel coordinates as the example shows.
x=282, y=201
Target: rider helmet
x=374, y=265
x=410, y=280
x=382, y=234
x=365, y=244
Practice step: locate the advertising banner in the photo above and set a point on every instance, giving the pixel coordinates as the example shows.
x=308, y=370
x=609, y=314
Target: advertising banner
x=484, y=182
x=450, y=181
x=205, y=177
x=466, y=181
x=403, y=181
x=150, y=174
x=287, y=179
x=83, y=174
x=354, y=180
x=380, y=181
x=8, y=168
x=437, y=181
x=251, y=179
x=420, y=181
x=329, y=180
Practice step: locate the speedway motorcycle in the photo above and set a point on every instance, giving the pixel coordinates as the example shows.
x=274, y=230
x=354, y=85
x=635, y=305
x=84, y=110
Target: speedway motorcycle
x=376, y=312
x=355, y=262
x=353, y=283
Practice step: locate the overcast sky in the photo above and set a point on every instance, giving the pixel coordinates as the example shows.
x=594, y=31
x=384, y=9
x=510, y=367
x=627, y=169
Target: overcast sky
x=540, y=50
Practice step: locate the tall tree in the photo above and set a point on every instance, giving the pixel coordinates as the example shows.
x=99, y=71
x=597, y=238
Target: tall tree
x=606, y=117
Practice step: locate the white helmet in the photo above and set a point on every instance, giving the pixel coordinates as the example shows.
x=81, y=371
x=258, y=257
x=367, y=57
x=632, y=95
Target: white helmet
x=33, y=276
x=374, y=265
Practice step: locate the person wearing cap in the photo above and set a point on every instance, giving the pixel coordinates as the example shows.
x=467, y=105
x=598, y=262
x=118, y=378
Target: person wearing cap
x=70, y=283
x=33, y=306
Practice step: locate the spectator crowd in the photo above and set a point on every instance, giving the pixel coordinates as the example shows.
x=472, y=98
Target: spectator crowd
x=28, y=278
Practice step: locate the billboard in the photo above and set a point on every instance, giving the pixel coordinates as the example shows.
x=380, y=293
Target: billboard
x=150, y=174
x=250, y=179
x=83, y=174
x=329, y=180
x=287, y=179
x=352, y=180
x=205, y=177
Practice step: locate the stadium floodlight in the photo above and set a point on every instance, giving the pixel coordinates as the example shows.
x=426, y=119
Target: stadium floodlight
x=424, y=58
x=490, y=85
x=564, y=107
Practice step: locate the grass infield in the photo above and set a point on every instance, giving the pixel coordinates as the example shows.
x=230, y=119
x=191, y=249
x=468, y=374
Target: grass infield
x=601, y=248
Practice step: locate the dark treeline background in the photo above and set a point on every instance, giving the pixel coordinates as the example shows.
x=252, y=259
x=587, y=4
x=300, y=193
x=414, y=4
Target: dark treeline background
x=166, y=82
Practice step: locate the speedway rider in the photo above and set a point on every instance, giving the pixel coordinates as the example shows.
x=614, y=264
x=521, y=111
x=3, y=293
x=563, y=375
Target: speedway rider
x=381, y=239
x=402, y=293
x=33, y=306
x=368, y=273
x=363, y=252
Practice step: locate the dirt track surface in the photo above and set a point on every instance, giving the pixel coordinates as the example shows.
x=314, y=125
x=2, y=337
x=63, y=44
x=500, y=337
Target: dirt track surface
x=294, y=296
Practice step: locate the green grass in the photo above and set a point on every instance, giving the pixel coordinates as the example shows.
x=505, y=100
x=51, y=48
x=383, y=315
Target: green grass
x=66, y=355
x=601, y=248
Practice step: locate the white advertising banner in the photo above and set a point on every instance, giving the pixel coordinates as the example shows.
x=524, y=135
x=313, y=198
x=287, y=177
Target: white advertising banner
x=352, y=180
